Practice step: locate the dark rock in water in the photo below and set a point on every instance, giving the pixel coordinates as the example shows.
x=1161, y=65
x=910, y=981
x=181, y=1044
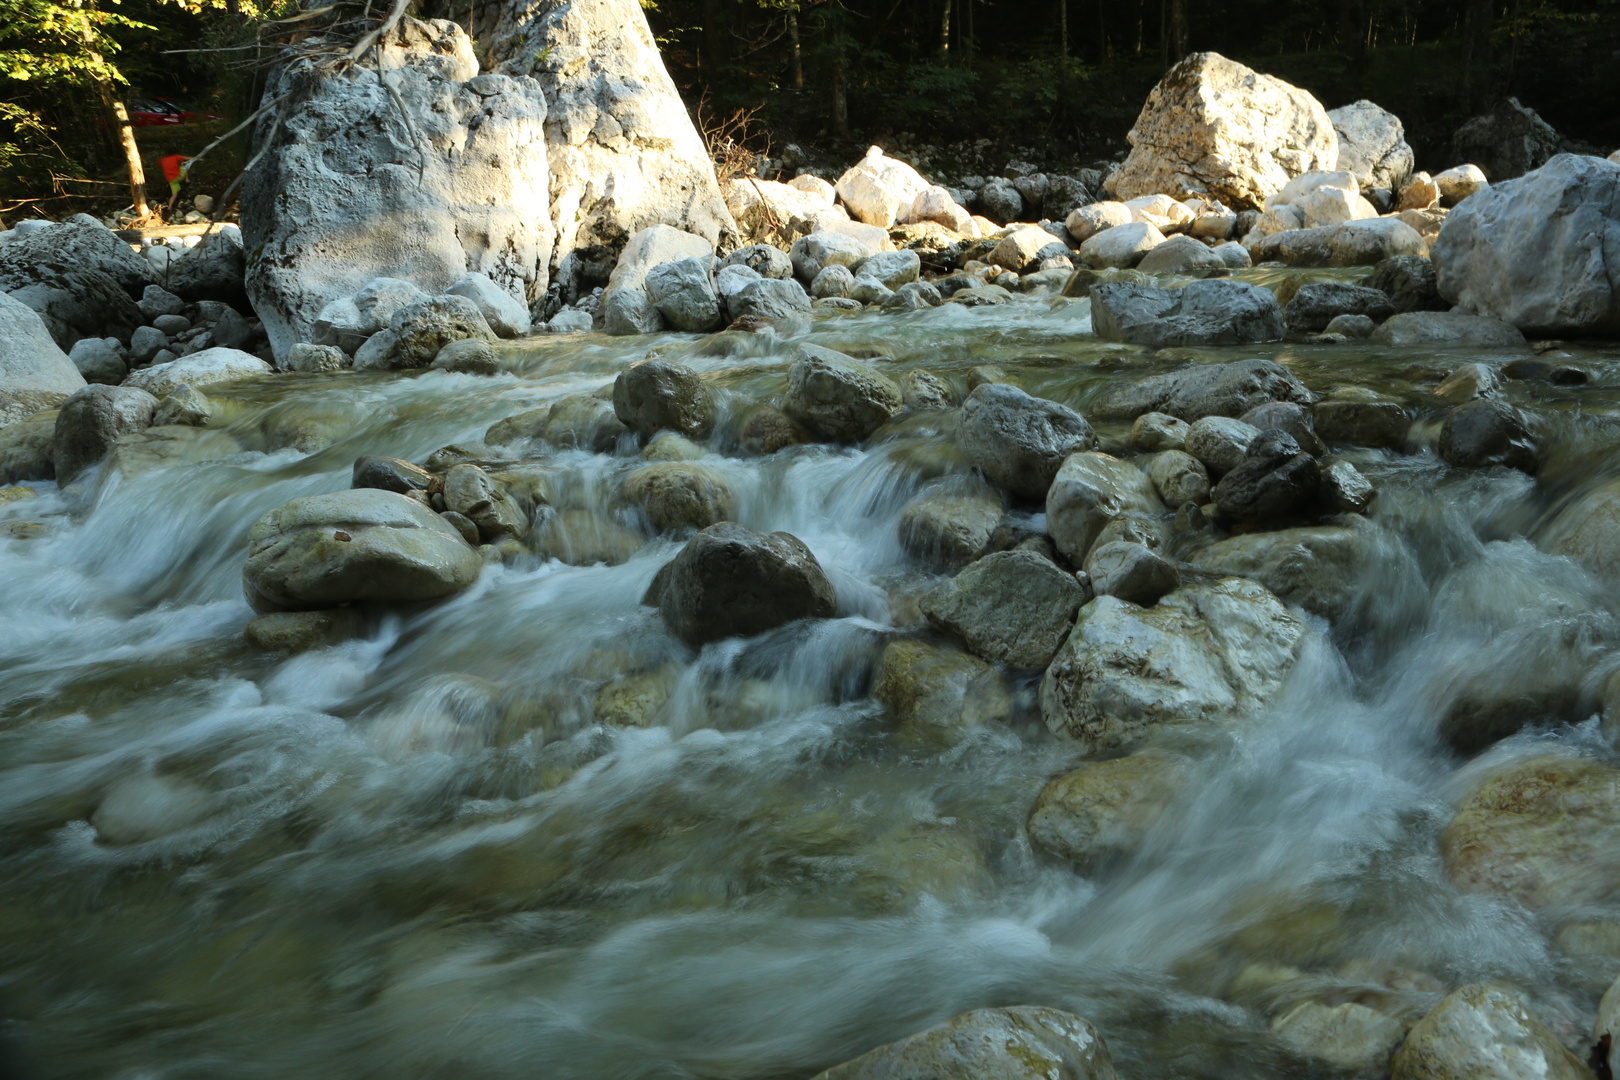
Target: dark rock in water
x=730, y=581
x=1205, y=390
x=1020, y=441
x=1317, y=303
x=389, y=474
x=1013, y=607
x=1274, y=480
x=1543, y=371
x=1210, y=312
x=1131, y=571
x=91, y=421
x=1409, y=282
x=1357, y=422
x=1486, y=432
x=655, y=394
x=1288, y=416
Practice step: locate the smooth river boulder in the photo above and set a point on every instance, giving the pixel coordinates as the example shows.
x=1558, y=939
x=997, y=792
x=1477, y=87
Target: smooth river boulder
x=1091, y=490
x=1205, y=654
x=1229, y=389
x=1366, y=242
x=1023, y=1042
x=1012, y=607
x=92, y=420
x=730, y=581
x=656, y=394
x=1484, y=1032
x=362, y=546
x=1213, y=128
x=200, y=369
x=838, y=397
x=1372, y=145
x=1019, y=441
x=1541, y=252
x=1214, y=312
x=1103, y=808
x=30, y=360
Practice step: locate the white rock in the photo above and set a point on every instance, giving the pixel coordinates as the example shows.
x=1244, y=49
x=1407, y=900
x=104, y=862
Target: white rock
x=880, y=190
x=200, y=369
x=571, y=321
x=1350, y=1035
x=626, y=307
x=1161, y=211
x=1219, y=442
x=1122, y=246
x=1024, y=1042
x=1214, y=127
x=1457, y=184
x=1087, y=221
x=1372, y=145
x=377, y=301
x=1484, y=1032
x=733, y=279
x=811, y=254
x=29, y=357
x=464, y=187
x=506, y=315
x=936, y=204
x=683, y=294
x=816, y=186
x=764, y=207
x=1090, y=490
x=892, y=268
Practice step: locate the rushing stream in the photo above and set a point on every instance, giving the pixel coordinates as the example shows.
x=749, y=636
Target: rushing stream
x=418, y=854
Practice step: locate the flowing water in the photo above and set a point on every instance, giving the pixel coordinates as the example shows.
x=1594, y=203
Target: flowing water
x=418, y=855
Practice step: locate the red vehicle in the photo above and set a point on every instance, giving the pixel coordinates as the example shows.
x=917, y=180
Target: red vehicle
x=155, y=112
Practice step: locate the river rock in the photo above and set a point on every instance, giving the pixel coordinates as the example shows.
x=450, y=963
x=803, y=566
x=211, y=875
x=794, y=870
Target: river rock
x=656, y=394
x=1350, y=1036
x=1541, y=252
x=99, y=360
x=1275, y=479
x=1506, y=142
x=1088, y=221
x=1228, y=389
x=389, y=474
x=583, y=422
x=299, y=631
x=26, y=448
x=30, y=360
x=834, y=281
x=1020, y=250
x=1354, y=243
x=768, y=430
x=1019, y=441
x=893, y=268
x=1484, y=1032
x=626, y=306
x=679, y=495
x=1179, y=478
x=1011, y=607
x=1211, y=653
x=837, y=397
x=1452, y=328
x=1130, y=571
x=72, y=301
x=730, y=581
x=1588, y=531
x=1158, y=431
x=216, y=269
x=1024, y=1042
x=948, y=531
x=1214, y=128
x=1458, y=183
x=1000, y=202
x=880, y=190
x=92, y=420
x=1361, y=420
x=417, y=332
x=1103, y=809
x=763, y=208
x=762, y=259
x=1215, y=312
x=361, y=546
x=467, y=171
x=504, y=313
x=1409, y=282
x=769, y=298
x=467, y=356
x=684, y=295
x=1089, y=491
x=200, y=369
x=1219, y=442
x=80, y=241
x=1317, y=303
x=813, y=253
x=1120, y=247
x=470, y=492
x=936, y=694
x=1418, y=193
x=379, y=299
x=1486, y=432
x=187, y=407
x=1468, y=382
x=1372, y=145
x=1180, y=255
x=1317, y=567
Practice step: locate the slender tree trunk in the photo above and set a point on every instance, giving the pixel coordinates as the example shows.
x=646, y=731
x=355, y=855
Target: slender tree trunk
x=714, y=46
x=1104, y=48
x=1063, y=28
x=1178, y=30
x=945, y=31
x=1141, y=17
x=840, y=99
x=119, y=116
x=798, y=56
x=1164, y=34
x=1477, y=20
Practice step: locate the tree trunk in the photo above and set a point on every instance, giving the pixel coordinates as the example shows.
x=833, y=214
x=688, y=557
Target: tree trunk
x=1141, y=13
x=1164, y=34
x=798, y=56
x=714, y=45
x=1477, y=23
x=119, y=116
x=1063, y=28
x=1104, y=48
x=945, y=31
x=1178, y=30
x=967, y=25
x=840, y=98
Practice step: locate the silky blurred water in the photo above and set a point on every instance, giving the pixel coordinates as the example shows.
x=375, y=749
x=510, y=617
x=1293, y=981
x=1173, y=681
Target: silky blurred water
x=418, y=855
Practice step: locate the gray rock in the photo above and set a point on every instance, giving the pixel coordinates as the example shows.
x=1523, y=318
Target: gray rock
x=1484, y=433
x=172, y=324
x=1364, y=242
x=914, y=296
x=1318, y=567
x=763, y=259
x=813, y=253
x=230, y=331
x=684, y=295
x=1158, y=431
x=1064, y=195
x=1318, y=302
x=83, y=242
x=1447, y=328
x=1179, y=478
x=1287, y=416
x=145, y=343
x=1275, y=479
x=948, y=531
x=361, y=546
x=469, y=491
x=200, y=369
x=157, y=300
x=99, y=360
x=655, y=394
x=389, y=474
x=1345, y=489
x=1203, y=655
x=1484, y=1032
x=1229, y=389
x=893, y=268
x=1180, y=254
x=731, y=280
x=583, y=422
x=770, y=298
x=571, y=321
x=869, y=290
x=1355, y=327
x=838, y=397
x=216, y=269
x=463, y=525
x=299, y=631
x=679, y=495
x=1372, y=145
x=1214, y=312
x=348, y=191
x=1012, y=607
x=1220, y=442
x=1130, y=571
x=91, y=421
x=833, y=280
x=1467, y=383
x=1506, y=142
x=73, y=301
x=339, y=325
x=26, y=447
x=1090, y=491
x=308, y=358
x=1541, y=252
x=1359, y=421
x=1000, y=202
x=1120, y=246
x=1233, y=255
x=505, y=313
x=421, y=329
x=469, y=356
x=380, y=298
x=186, y=407
x=730, y=581
x=1019, y=441
x=921, y=391
x=1104, y=808
x=1024, y=1042
x=1409, y=282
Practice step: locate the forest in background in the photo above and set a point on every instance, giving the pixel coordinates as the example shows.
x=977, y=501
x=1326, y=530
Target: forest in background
x=958, y=86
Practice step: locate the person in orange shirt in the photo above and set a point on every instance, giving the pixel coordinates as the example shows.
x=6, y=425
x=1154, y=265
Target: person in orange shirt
x=174, y=171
